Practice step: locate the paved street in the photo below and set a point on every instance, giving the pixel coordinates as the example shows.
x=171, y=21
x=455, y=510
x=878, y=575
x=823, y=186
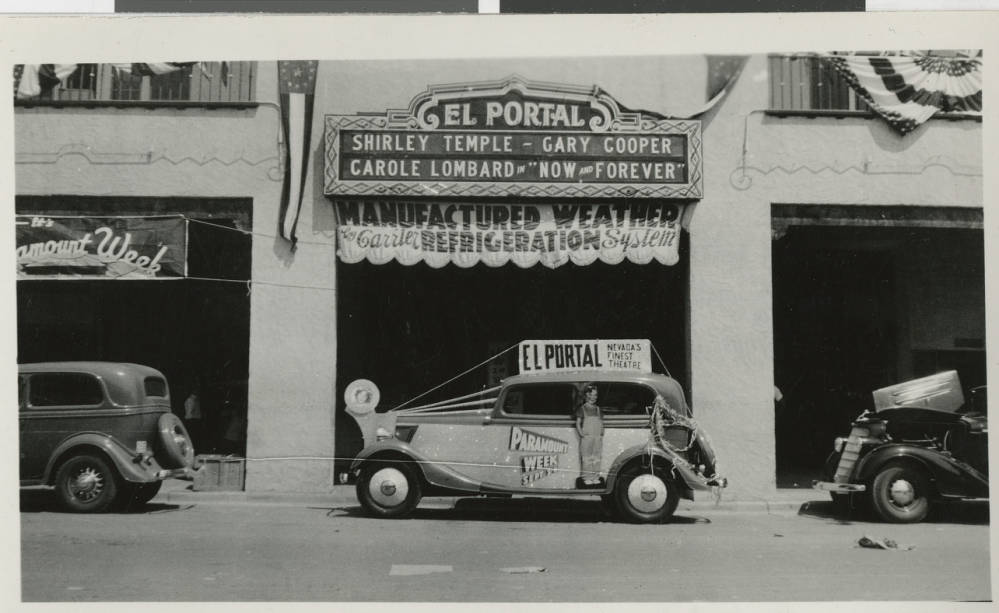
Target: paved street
x=482, y=550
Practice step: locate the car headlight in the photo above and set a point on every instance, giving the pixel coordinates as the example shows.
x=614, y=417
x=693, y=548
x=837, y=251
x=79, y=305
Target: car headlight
x=839, y=444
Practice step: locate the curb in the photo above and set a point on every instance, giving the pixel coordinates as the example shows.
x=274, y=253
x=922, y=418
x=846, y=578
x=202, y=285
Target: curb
x=348, y=499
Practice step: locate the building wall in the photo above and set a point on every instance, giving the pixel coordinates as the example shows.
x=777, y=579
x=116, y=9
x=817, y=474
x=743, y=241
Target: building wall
x=751, y=161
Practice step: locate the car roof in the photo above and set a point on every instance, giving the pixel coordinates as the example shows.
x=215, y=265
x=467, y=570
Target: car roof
x=124, y=381
x=105, y=369
x=591, y=375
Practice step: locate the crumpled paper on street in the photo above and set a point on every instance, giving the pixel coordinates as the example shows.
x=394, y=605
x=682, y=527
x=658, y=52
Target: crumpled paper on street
x=883, y=543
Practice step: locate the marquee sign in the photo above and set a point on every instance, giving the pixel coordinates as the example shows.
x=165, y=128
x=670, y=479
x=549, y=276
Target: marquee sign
x=100, y=247
x=513, y=138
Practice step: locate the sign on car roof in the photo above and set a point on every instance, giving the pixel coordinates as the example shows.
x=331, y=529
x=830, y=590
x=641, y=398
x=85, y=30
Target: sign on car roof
x=544, y=356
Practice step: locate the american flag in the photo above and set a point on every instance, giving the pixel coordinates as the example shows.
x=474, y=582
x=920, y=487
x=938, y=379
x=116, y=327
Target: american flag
x=296, y=86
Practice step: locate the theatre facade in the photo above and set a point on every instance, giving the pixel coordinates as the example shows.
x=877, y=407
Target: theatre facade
x=785, y=248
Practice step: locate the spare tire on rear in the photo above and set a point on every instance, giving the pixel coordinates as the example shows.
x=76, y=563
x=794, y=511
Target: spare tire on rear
x=176, y=442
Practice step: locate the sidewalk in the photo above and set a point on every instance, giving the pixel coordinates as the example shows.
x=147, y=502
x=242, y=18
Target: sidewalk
x=176, y=491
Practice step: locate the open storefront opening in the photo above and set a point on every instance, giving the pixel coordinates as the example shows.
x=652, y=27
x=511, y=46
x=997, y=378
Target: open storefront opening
x=896, y=293
x=411, y=328
x=194, y=328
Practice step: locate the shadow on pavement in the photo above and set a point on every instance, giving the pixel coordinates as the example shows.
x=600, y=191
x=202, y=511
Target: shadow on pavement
x=44, y=501
x=968, y=512
x=520, y=510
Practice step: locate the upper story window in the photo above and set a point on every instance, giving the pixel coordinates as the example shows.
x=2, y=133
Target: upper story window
x=808, y=83
x=170, y=83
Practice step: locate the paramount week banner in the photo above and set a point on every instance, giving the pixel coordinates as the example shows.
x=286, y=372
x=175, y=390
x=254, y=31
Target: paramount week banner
x=101, y=247
x=495, y=234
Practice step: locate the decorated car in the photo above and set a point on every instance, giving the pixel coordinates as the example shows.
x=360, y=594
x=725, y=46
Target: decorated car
x=922, y=443
x=101, y=433
x=582, y=418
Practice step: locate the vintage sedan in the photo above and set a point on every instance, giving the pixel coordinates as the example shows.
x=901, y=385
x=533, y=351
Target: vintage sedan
x=521, y=438
x=922, y=443
x=101, y=433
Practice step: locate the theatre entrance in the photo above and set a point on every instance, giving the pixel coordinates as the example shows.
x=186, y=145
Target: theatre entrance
x=412, y=328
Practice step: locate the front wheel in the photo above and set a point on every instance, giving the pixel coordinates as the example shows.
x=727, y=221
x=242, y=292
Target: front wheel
x=646, y=496
x=900, y=494
x=388, y=489
x=86, y=484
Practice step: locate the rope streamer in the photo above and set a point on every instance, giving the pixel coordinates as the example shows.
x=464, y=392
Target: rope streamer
x=662, y=417
x=456, y=377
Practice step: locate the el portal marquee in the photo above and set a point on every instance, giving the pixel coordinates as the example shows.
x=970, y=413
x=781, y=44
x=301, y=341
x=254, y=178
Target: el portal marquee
x=420, y=184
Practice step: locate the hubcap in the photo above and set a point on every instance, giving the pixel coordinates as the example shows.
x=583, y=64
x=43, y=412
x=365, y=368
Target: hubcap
x=647, y=493
x=87, y=485
x=902, y=493
x=388, y=487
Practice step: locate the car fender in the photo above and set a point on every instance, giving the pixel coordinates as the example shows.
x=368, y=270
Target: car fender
x=131, y=466
x=690, y=479
x=950, y=477
x=432, y=471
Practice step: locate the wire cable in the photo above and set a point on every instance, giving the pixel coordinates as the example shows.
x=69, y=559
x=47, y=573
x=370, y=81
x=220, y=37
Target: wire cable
x=456, y=377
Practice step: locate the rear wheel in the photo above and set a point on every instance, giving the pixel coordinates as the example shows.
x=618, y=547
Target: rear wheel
x=901, y=494
x=86, y=484
x=388, y=489
x=646, y=496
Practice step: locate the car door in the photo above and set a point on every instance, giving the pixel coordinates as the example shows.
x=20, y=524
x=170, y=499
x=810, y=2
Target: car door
x=536, y=424
x=31, y=468
x=56, y=406
x=626, y=408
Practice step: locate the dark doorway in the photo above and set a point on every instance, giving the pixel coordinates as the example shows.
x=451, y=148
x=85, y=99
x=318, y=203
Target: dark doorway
x=410, y=328
x=859, y=308
x=834, y=341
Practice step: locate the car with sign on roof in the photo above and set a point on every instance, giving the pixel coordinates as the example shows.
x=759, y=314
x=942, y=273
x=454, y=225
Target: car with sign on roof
x=921, y=444
x=101, y=433
x=522, y=437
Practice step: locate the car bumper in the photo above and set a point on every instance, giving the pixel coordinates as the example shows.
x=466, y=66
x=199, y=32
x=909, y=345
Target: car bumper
x=839, y=488
x=175, y=473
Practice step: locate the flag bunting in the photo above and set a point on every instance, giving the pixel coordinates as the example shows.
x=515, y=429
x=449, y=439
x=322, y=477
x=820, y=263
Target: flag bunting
x=906, y=90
